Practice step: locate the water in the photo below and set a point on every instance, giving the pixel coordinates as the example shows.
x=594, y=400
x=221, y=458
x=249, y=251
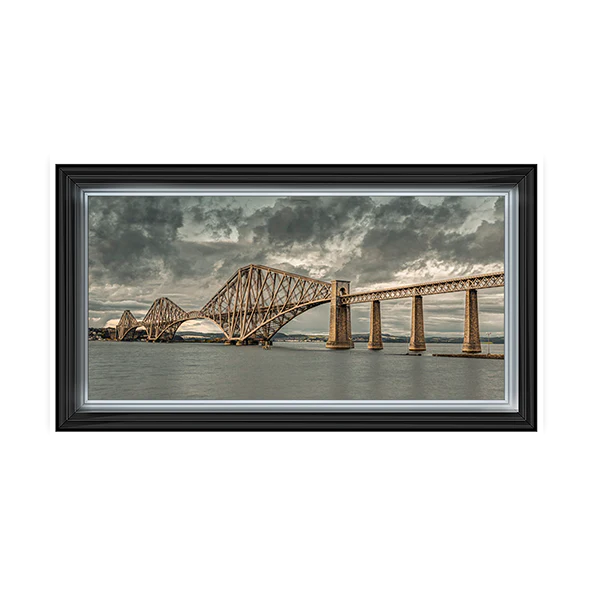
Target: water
x=290, y=370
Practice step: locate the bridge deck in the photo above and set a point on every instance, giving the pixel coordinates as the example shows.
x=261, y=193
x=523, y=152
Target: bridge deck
x=261, y=300
x=492, y=280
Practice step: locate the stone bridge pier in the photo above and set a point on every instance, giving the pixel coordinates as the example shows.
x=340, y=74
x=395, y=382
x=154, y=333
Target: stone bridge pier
x=417, y=327
x=340, y=337
x=472, y=339
x=375, y=342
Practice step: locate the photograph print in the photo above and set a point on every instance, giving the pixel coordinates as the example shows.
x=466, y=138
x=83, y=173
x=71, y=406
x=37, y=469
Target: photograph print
x=296, y=297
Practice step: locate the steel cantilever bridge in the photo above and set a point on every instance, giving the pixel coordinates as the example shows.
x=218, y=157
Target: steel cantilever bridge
x=257, y=301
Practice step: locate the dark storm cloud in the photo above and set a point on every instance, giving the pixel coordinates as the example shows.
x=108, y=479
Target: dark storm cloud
x=498, y=208
x=312, y=221
x=187, y=247
x=132, y=238
x=218, y=219
x=405, y=234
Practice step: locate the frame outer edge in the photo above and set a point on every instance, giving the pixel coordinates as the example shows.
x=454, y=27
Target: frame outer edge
x=72, y=179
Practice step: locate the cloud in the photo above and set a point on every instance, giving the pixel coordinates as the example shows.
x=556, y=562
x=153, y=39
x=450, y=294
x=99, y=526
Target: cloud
x=216, y=217
x=312, y=221
x=133, y=238
x=407, y=236
x=185, y=248
x=98, y=305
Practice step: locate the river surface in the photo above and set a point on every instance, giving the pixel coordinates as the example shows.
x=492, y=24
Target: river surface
x=290, y=370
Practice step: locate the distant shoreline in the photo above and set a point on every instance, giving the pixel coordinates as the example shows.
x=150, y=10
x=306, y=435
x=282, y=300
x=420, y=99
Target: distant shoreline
x=108, y=334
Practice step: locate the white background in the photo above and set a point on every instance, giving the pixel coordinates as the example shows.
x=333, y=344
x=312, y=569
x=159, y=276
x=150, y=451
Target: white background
x=298, y=514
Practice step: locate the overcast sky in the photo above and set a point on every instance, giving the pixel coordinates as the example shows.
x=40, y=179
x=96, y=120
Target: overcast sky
x=185, y=248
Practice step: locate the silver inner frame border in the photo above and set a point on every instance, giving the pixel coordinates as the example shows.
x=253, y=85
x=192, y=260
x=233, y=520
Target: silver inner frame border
x=511, y=315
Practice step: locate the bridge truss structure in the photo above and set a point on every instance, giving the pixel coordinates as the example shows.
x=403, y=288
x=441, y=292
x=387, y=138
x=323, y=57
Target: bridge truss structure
x=478, y=282
x=253, y=304
x=257, y=301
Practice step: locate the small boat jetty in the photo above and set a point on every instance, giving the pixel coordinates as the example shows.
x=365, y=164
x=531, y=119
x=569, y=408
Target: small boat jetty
x=464, y=355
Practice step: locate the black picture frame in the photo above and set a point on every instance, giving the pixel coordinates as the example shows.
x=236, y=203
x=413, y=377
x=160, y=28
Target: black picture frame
x=72, y=181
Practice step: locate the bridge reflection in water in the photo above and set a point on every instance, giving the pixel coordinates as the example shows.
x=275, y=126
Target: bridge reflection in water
x=257, y=301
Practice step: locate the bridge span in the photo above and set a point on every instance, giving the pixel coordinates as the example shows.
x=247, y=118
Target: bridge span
x=257, y=301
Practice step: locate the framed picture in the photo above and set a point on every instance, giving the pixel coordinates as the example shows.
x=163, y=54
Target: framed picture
x=207, y=298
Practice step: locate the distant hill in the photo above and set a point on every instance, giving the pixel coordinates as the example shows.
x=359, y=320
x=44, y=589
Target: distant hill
x=385, y=337
x=199, y=334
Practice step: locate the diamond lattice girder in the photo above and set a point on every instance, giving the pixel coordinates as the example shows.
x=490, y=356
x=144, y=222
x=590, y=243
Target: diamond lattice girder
x=258, y=301
x=127, y=323
x=491, y=280
x=164, y=314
